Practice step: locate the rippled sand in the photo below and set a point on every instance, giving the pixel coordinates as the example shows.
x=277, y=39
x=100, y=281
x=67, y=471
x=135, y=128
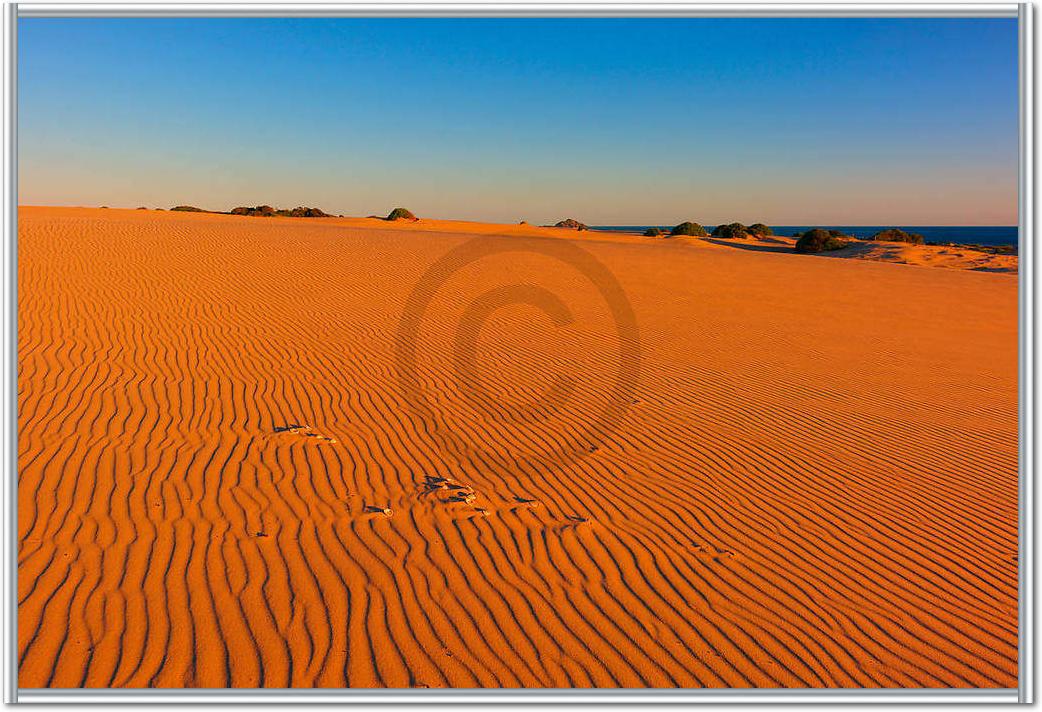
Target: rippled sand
x=248, y=457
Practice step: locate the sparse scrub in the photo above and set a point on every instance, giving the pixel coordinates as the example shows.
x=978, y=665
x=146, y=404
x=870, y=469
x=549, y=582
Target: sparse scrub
x=818, y=240
x=266, y=211
x=897, y=235
x=735, y=231
x=689, y=229
x=572, y=223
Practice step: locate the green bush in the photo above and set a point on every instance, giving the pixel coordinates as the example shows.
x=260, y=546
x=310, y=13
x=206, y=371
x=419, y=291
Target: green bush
x=691, y=229
x=897, y=235
x=572, y=223
x=303, y=212
x=266, y=211
x=760, y=229
x=818, y=240
x=733, y=230
x=400, y=214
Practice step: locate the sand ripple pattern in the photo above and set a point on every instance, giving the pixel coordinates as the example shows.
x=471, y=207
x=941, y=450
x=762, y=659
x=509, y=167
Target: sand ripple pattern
x=222, y=484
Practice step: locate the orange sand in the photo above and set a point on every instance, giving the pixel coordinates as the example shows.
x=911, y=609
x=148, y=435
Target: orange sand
x=815, y=484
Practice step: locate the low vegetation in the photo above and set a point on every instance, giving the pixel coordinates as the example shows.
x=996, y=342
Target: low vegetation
x=266, y=211
x=691, y=229
x=897, y=235
x=819, y=240
x=401, y=214
x=734, y=231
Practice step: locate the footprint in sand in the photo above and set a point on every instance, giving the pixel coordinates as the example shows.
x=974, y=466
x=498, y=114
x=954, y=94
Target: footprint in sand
x=457, y=493
x=374, y=509
x=304, y=431
x=523, y=503
x=465, y=497
x=709, y=553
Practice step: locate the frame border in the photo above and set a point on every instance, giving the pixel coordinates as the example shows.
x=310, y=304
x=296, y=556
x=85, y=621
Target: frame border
x=1024, y=12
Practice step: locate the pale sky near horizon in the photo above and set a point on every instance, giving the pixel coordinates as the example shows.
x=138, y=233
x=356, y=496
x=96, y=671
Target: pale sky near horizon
x=610, y=121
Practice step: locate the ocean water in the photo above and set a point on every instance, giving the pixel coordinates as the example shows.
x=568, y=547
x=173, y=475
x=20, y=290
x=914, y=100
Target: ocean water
x=964, y=235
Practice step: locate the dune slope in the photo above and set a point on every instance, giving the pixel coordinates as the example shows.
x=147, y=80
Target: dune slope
x=225, y=479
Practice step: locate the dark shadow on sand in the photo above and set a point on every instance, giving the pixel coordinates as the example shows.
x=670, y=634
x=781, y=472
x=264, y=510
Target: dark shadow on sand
x=758, y=247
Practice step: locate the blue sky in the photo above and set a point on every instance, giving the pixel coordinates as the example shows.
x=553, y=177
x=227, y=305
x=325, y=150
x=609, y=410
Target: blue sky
x=611, y=121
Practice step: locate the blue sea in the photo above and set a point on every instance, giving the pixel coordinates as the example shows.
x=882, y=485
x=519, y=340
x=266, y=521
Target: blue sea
x=968, y=235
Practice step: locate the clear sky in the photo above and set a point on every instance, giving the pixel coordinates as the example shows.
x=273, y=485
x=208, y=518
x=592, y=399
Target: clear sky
x=611, y=121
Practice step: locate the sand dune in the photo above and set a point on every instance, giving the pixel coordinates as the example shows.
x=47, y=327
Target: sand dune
x=945, y=256
x=812, y=481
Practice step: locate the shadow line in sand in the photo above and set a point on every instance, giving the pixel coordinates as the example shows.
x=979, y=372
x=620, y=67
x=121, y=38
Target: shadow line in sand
x=758, y=247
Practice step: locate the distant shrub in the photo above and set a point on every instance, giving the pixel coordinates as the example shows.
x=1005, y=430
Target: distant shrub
x=400, y=214
x=897, y=235
x=572, y=223
x=760, y=229
x=690, y=229
x=652, y=232
x=304, y=212
x=258, y=211
x=818, y=240
x=266, y=211
x=188, y=209
x=733, y=230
